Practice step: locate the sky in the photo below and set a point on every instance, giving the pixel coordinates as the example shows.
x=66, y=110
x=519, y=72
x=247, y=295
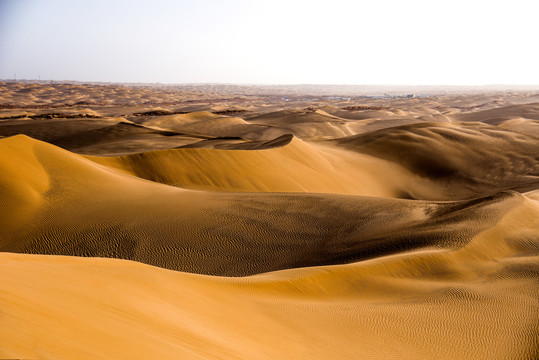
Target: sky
x=414, y=42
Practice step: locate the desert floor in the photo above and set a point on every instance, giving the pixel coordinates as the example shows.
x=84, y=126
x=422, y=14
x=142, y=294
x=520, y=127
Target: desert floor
x=245, y=222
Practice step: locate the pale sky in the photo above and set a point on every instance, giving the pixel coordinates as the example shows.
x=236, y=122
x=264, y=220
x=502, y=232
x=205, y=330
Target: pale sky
x=415, y=42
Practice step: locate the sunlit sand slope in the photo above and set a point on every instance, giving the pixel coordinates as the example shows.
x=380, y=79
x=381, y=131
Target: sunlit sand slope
x=56, y=202
x=478, y=302
x=434, y=161
x=295, y=166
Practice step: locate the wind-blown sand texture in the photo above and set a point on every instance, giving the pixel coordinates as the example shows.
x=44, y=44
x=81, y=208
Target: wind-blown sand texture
x=145, y=222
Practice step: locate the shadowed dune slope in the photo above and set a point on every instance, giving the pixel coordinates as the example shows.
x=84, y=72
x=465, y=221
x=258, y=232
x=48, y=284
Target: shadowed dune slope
x=50, y=130
x=209, y=124
x=123, y=138
x=240, y=144
x=78, y=207
x=467, y=159
x=112, y=136
x=480, y=301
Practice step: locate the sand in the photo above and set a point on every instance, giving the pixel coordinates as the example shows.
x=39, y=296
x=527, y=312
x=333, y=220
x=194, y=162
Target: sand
x=149, y=222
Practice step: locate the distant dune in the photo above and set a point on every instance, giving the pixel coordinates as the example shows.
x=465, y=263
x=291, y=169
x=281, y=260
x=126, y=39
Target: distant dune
x=151, y=222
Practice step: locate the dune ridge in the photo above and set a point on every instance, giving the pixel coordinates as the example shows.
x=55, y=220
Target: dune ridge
x=294, y=167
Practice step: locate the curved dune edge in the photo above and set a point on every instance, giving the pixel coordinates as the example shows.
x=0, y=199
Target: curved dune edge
x=431, y=160
x=23, y=181
x=423, y=305
x=296, y=166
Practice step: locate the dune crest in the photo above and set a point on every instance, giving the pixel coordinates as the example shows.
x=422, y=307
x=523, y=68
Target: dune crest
x=293, y=167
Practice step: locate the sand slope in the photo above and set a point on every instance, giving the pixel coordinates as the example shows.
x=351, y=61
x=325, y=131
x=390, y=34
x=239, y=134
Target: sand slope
x=230, y=222
x=308, y=123
x=78, y=207
x=467, y=159
x=493, y=116
x=475, y=302
x=294, y=167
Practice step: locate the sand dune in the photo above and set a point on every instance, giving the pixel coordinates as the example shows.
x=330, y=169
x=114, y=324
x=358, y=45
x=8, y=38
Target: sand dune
x=238, y=143
x=52, y=129
x=123, y=138
x=308, y=123
x=522, y=126
x=103, y=136
x=478, y=301
x=224, y=222
x=435, y=161
x=293, y=167
x=210, y=124
x=469, y=159
x=492, y=116
x=81, y=208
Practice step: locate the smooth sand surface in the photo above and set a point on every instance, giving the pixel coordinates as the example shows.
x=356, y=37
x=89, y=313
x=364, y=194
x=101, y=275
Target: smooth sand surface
x=145, y=222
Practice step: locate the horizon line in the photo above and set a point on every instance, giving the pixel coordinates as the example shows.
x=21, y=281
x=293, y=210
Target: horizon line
x=267, y=84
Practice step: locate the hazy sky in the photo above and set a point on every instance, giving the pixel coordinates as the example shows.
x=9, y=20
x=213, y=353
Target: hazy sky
x=469, y=42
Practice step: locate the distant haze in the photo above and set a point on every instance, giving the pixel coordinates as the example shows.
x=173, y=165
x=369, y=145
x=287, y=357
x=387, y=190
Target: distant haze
x=272, y=42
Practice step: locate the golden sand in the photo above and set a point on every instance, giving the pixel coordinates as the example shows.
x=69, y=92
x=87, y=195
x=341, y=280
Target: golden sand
x=133, y=226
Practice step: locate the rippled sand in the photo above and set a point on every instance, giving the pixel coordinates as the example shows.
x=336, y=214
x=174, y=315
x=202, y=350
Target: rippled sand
x=151, y=222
